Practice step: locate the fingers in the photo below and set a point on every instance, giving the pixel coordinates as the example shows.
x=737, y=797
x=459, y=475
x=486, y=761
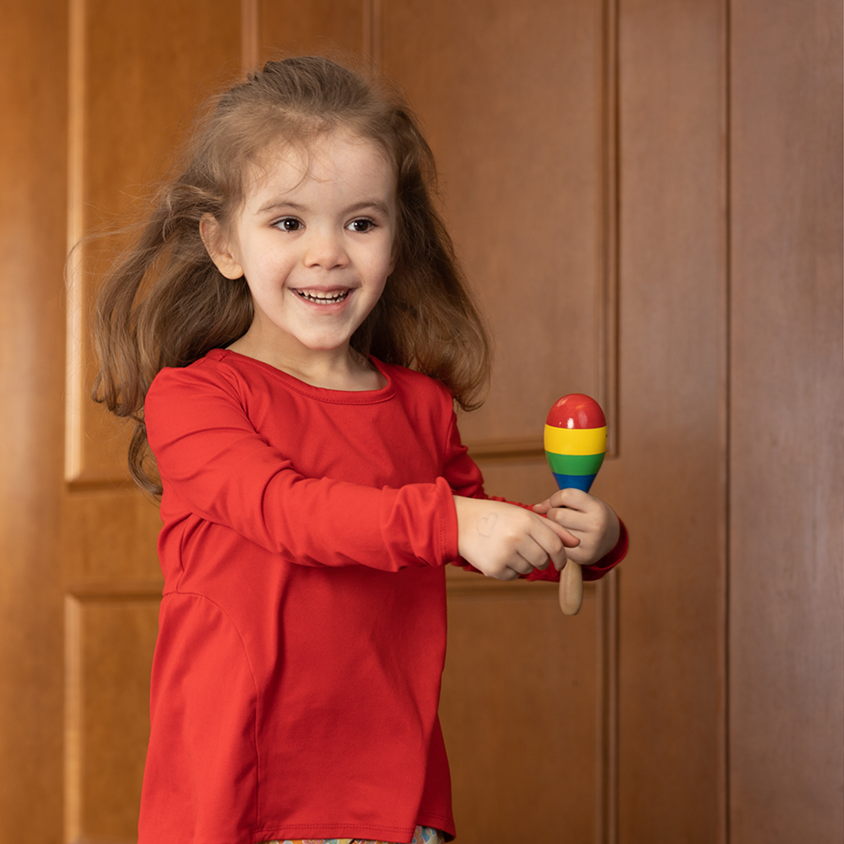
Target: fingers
x=505, y=541
x=537, y=549
x=563, y=532
x=574, y=510
x=515, y=567
x=569, y=508
x=571, y=498
x=550, y=543
x=589, y=519
x=524, y=564
x=572, y=521
x=532, y=558
x=553, y=521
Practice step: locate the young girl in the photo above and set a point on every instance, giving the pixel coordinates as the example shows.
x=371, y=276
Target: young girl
x=290, y=335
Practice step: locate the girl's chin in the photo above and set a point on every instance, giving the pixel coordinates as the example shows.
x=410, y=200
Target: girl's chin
x=304, y=340
x=325, y=347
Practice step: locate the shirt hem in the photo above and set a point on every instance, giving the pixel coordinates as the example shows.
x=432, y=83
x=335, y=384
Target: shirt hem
x=400, y=835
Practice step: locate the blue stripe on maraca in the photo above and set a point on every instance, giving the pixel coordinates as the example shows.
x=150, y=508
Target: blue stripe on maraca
x=583, y=482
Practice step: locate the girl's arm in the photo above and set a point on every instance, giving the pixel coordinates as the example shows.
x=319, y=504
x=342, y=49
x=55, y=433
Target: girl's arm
x=215, y=467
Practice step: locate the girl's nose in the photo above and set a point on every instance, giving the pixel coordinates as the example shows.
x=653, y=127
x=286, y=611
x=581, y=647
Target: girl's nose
x=325, y=249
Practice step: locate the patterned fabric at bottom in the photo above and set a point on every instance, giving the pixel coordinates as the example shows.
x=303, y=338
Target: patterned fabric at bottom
x=422, y=835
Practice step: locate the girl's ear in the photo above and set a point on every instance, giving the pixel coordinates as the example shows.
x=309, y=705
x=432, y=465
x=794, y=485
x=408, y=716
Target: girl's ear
x=218, y=247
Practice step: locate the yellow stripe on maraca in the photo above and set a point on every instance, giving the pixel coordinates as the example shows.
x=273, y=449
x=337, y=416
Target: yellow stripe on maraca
x=575, y=440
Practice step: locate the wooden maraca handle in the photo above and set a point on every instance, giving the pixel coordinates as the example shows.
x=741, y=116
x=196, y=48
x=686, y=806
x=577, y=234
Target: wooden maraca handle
x=571, y=589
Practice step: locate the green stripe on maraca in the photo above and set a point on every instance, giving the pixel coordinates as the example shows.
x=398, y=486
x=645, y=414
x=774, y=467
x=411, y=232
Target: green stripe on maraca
x=574, y=464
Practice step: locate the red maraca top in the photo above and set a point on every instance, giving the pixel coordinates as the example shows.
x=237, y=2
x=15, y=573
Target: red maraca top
x=576, y=410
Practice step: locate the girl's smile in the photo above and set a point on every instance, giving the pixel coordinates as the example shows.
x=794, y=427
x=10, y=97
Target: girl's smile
x=323, y=298
x=314, y=241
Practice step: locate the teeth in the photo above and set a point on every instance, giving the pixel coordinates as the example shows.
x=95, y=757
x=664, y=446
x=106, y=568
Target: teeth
x=317, y=297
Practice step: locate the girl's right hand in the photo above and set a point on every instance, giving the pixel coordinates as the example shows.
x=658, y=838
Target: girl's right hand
x=504, y=541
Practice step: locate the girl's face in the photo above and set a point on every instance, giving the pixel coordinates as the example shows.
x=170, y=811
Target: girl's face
x=314, y=241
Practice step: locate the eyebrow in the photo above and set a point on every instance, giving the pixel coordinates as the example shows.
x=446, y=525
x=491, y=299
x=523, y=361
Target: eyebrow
x=277, y=204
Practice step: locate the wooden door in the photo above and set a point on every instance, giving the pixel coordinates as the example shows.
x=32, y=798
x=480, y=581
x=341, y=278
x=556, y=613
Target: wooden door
x=616, y=177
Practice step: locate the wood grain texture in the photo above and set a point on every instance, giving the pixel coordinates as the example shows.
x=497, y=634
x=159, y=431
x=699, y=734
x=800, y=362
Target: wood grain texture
x=787, y=416
x=138, y=73
x=669, y=483
x=329, y=27
x=519, y=726
x=33, y=90
x=109, y=536
x=109, y=640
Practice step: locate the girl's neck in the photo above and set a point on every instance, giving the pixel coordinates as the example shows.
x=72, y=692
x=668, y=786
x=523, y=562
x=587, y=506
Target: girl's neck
x=338, y=369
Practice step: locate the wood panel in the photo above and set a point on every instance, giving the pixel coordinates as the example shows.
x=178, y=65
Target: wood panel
x=669, y=482
x=343, y=28
x=109, y=536
x=787, y=417
x=33, y=90
x=110, y=638
x=137, y=73
x=527, y=770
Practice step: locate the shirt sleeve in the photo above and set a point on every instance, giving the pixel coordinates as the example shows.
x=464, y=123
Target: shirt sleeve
x=215, y=465
x=465, y=479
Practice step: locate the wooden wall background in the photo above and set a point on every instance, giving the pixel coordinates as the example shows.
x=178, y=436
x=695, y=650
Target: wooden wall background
x=647, y=195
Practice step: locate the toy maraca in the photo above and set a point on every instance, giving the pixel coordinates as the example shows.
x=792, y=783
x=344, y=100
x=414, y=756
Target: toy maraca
x=575, y=444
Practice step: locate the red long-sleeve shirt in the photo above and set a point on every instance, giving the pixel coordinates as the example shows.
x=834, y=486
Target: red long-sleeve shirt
x=302, y=631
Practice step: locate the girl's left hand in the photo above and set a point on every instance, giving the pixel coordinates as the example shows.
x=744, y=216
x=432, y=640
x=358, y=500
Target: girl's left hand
x=588, y=518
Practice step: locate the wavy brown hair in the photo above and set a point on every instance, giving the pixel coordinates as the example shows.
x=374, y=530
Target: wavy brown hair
x=164, y=303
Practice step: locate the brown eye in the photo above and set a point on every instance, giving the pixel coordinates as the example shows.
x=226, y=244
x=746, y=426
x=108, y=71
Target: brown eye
x=361, y=226
x=288, y=224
